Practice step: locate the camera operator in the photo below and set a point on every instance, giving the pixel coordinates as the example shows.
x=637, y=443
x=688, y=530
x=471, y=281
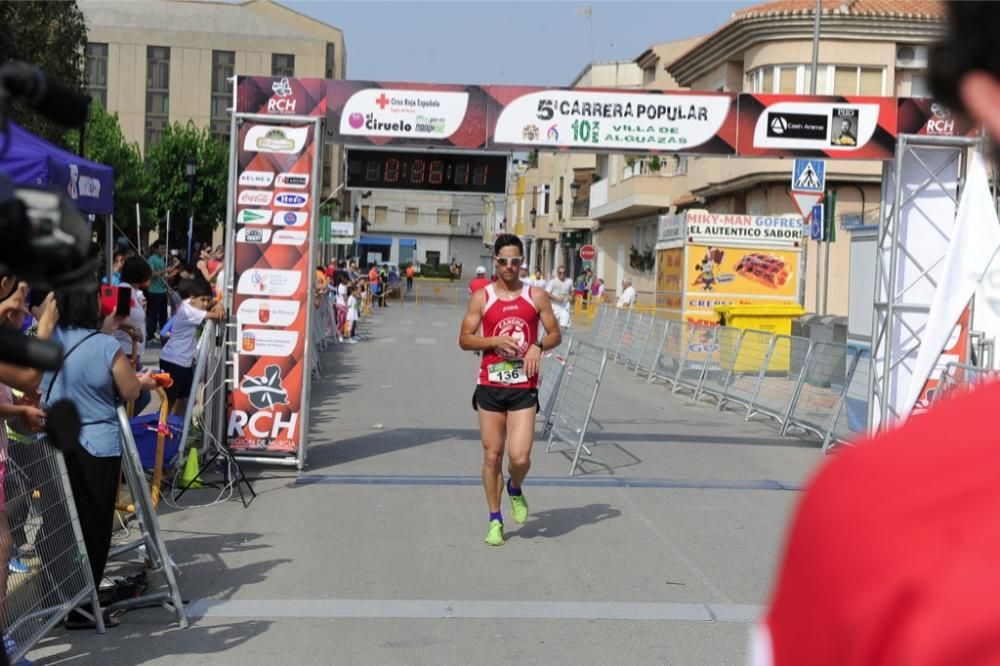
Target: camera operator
x=95, y=375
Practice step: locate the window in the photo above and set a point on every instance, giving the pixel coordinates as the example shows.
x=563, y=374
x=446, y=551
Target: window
x=645, y=237
x=331, y=63
x=851, y=80
x=443, y=216
x=454, y=217
x=223, y=67
x=97, y=72
x=157, y=93
x=544, y=196
x=381, y=214
x=282, y=64
x=412, y=215
x=787, y=80
x=365, y=213
x=328, y=165
x=830, y=80
x=434, y=258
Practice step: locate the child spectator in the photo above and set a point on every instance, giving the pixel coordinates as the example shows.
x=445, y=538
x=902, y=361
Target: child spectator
x=177, y=357
x=352, y=314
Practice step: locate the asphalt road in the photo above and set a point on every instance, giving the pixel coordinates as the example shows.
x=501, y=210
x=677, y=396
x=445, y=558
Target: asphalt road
x=662, y=552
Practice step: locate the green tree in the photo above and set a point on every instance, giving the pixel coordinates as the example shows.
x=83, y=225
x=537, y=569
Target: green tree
x=105, y=143
x=167, y=162
x=52, y=36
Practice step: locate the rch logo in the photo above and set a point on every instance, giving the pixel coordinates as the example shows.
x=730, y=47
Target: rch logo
x=266, y=391
x=283, y=89
x=382, y=101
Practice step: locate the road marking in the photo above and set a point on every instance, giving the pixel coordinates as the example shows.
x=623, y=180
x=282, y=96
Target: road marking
x=426, y=341
x=474, y=609
x=551, y=481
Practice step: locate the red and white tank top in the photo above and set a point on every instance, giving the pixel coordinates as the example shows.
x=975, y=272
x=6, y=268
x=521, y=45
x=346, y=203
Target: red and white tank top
x=517, y=318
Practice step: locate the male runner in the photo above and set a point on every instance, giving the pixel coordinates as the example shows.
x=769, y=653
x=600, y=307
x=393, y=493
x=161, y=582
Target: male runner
x=506, y=396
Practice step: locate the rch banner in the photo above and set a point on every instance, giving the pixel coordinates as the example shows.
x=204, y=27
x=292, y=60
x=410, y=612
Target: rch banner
x=502, y=117
x=271, y=285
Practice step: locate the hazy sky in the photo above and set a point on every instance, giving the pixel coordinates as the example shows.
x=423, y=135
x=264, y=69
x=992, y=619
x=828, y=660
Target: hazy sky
x=515, y=41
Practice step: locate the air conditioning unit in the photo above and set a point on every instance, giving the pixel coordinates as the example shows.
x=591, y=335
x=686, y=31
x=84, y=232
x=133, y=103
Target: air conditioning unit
x=911, y=57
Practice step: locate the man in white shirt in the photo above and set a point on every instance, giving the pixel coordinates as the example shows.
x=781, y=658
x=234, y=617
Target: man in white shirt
x=627, y=297
x=538, y=280
x=560, y=290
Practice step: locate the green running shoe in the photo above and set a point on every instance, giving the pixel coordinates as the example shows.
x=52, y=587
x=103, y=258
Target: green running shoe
x=519, y=508
x=495, y=536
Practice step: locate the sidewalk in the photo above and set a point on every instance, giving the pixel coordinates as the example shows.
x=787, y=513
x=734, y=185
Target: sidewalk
x=660, y=554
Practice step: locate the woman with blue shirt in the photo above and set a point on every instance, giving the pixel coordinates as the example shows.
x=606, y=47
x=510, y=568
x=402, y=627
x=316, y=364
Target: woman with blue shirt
x=95, y=376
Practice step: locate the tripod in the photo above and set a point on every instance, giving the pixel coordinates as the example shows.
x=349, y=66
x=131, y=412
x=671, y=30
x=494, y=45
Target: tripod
x=229, y=459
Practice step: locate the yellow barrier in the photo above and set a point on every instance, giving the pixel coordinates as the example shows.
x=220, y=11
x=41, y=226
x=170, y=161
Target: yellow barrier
x=429, y=294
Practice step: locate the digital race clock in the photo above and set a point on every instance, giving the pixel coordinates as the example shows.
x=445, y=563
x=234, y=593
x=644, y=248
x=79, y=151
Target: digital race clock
x=471, y=172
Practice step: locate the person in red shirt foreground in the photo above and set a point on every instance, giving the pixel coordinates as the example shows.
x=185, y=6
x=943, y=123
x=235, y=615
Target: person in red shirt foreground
x=480, y=281
x=891, y=558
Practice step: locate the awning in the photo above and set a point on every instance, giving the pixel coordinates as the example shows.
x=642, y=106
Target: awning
x=375, y=240
x=407, y=242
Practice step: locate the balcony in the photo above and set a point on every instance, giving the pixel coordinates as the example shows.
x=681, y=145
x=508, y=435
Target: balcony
x=642, y=190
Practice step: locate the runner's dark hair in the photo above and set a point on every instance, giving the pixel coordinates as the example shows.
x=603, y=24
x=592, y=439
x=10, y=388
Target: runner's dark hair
x=503, y=240
x=968, y=45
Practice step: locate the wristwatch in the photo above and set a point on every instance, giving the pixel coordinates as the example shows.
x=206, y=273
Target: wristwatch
x=540, y=345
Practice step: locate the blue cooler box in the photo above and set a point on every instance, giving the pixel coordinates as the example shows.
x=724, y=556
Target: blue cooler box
x=144, y=429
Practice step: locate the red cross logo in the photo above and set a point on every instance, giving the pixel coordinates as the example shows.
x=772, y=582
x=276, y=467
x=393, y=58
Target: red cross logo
x=382, y=101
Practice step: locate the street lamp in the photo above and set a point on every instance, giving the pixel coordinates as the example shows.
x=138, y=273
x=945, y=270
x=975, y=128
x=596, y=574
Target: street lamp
x=574, y=189
x=559, y=207
x=190, y=169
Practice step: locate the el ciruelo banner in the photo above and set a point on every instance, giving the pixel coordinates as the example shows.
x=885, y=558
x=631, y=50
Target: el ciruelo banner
x=271, y=285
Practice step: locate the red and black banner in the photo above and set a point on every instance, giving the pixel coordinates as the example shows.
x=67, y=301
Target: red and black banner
x=272, y=284
x=599, y=120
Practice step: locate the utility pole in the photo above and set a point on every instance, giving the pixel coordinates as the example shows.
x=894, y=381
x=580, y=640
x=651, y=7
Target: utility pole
x=812, y=91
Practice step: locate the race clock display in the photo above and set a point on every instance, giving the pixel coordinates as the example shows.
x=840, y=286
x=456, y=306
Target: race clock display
x=462, y=172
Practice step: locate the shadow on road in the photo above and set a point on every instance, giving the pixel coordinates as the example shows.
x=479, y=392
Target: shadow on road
x=557, y=522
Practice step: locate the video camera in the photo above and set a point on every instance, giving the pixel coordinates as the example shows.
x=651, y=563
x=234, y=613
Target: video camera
x=45, y=239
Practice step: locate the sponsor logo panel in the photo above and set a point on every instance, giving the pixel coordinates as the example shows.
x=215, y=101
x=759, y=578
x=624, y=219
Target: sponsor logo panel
x=275, y=139
x=268, y=282
x=404, y=113
x=257, y=178
x=287, y=218
x=255, y=198
x=258, y=216
x=291, y=200
x=267, y=342
x=267, y=312
x=292, y=180
x=286, y=237
x=253, y=235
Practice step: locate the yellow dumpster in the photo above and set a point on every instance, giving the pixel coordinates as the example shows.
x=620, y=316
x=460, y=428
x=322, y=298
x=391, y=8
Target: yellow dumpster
x=772, y=318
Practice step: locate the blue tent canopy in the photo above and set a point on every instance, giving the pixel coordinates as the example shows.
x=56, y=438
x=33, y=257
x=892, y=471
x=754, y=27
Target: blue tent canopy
x=32, y=161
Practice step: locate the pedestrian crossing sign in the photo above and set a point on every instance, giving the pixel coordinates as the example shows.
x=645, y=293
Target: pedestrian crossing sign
x=809, y=175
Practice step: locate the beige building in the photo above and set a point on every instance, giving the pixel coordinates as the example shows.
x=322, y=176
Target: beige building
x=155, y=62
x=867, y=47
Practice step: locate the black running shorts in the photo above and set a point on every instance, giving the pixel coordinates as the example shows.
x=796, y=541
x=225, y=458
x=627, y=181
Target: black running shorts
x=502, y=399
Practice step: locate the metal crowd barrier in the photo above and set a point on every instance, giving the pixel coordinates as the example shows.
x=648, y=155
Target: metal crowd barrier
x=574, y=403
x=779, y=378
x=958, y=377
x=553, y=368
x=695, y=360
x=749, y=363
x=719, y=362
x=626, y=341
x=640, y=338
x=822, y=386
x=433, y=294
x=666, y=365
x=168, y=595
x=46, y=536
x=653, y=346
